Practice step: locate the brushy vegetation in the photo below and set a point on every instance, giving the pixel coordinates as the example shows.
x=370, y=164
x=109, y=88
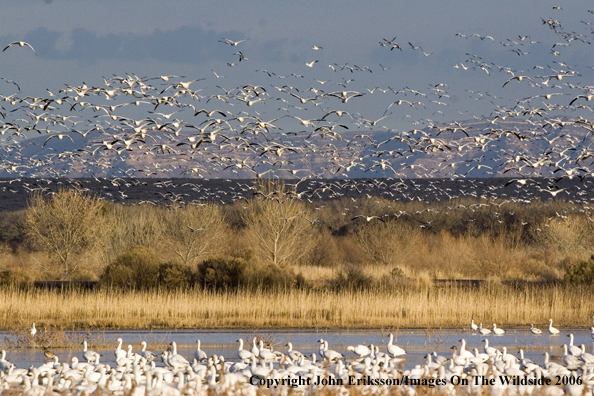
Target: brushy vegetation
x=278, y=246
x=581, y=272
x=278, y=234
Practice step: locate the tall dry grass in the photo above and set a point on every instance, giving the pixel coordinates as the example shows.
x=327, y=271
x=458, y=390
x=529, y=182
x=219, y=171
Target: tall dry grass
x=411, y=307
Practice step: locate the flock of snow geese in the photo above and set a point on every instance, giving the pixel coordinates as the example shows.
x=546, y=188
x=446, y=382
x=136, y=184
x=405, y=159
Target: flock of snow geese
x=295, y=126
x=290, y=126
x=256, y=370
x=499, y=331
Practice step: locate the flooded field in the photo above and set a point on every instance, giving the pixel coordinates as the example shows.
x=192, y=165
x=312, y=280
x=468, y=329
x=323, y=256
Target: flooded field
x=417, y=343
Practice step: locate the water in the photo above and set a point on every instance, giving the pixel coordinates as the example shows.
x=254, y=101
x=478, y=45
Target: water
x=417, y=343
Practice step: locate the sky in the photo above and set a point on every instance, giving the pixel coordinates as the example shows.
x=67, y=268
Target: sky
x=460, y=53
x=81, y=41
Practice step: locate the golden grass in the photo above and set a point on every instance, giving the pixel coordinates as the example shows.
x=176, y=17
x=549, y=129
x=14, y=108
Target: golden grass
x=414, y=307
x=314, y=272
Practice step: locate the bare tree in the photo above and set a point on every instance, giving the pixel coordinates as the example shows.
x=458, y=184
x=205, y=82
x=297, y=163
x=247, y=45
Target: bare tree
x=131, y=226
x=387, y=243
x=67, y=224
x=278, y=222
x=194, y=232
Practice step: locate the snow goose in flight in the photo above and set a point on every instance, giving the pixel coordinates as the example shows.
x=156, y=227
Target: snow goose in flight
x=20, y=44
x=231, y=42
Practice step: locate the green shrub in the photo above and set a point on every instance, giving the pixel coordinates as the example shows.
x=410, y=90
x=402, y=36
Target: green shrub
x=223, y=273
x=352, y=278
x=397, y=273
x=174, y=276
x=138, y=269
x=83, y=276
x=581, y=272
x=12, y=228
x=273, y=277
x=16, y=277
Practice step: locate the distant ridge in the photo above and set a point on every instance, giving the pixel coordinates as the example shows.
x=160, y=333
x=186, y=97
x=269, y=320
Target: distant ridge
x=471, y=148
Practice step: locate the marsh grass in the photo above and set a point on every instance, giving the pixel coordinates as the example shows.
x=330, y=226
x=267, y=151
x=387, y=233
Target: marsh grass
x=410, y=306
x=437, y=336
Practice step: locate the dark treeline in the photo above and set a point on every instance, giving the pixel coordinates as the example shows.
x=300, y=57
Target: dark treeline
x=14, y=193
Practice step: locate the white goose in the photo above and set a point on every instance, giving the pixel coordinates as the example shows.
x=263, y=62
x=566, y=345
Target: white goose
x=266, y=354
x=571, y=362
x=259, y=372
x=4, y=364
x=508, y=357
x=75, y=364
x=199, y=354
x=463, y=353
x=458, y=360
x=255, y=351
x=483, y=331
x=361, y=350
x=553, y=330
x=393, y=349
x=535, y=330
x=20, y=44
x=328, y=353
x=119, y=352
x=490, y=350
x=588, y=358
x=574, y=350
x=132, y=355
x=497, y=330
x=90, y=356
x=294, y=355
x=148, y=355
x=482, y=356
x=175, y=360
x=243, y=354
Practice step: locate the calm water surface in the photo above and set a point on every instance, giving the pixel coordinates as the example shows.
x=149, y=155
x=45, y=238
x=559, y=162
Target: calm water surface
x=224, y=342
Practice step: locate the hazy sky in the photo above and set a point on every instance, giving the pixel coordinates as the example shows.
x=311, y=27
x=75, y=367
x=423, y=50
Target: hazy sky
x=81, y=41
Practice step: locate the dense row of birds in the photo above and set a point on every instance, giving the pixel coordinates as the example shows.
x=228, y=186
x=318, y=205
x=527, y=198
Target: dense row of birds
x=174, y=191
x=291, y=126
x=498, y=331
x=363, y=201
x=373, y=368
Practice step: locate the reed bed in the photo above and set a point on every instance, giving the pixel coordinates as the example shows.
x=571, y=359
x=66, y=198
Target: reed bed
x=410, y=307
